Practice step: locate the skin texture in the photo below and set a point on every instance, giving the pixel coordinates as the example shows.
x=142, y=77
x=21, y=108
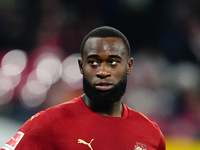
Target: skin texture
x=104, y=64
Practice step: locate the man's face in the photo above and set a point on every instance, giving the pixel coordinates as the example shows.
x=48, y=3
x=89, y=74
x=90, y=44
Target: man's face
x=105, y=66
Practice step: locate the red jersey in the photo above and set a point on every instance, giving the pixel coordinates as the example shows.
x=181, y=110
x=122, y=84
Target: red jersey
x=73, y=126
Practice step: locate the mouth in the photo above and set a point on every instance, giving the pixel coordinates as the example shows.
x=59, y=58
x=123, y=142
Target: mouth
x=104, y=86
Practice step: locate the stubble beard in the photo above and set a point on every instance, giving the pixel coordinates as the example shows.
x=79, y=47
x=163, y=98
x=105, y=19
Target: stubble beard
x=102, y=100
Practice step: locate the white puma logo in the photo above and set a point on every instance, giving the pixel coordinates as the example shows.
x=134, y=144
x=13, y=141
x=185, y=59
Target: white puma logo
x=88, y=144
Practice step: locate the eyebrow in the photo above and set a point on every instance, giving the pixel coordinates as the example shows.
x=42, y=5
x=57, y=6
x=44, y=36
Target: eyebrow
x=97, y=56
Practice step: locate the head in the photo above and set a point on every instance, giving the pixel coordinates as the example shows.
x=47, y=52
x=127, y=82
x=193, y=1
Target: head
x=103, y=32
x=105, y=62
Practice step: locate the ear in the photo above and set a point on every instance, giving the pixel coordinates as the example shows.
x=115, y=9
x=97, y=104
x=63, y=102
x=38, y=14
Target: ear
x=129, y=65
x=80, y=65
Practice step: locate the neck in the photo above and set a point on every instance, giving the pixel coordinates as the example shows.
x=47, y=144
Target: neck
x=115, y=110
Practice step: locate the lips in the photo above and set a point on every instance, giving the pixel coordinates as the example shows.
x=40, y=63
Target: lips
x=104, y=86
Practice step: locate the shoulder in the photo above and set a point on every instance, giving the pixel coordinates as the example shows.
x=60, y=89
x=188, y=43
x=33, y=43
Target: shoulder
x=43, y=121
x=66, y=109
x=144, y=122
x=147, y=127
x=140, y=117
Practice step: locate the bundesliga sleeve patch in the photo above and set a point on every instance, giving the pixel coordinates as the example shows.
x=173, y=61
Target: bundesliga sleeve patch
x=11, y=145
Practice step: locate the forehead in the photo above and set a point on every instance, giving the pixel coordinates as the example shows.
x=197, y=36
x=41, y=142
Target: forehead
x=108, y=45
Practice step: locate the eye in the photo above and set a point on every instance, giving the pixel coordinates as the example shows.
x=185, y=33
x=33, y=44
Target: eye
x=93, y=63
x=114, y=62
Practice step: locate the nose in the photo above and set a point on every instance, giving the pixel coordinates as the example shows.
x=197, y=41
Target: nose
x=103, y=71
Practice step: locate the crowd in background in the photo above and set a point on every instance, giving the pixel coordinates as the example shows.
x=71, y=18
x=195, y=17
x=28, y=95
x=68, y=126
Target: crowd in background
x=165, y=43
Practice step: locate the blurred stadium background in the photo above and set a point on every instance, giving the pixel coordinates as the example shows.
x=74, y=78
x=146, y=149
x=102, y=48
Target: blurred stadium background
x=39, y=47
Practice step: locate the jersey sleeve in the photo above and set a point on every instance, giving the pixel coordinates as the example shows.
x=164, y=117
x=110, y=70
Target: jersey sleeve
x=161, y=138
x=162, y=144
x=35, y=134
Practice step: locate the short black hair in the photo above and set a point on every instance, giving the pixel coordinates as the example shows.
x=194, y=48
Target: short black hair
x=103, y=32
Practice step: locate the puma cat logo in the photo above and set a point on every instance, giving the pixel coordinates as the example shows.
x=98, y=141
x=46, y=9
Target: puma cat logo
x=85, y=143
